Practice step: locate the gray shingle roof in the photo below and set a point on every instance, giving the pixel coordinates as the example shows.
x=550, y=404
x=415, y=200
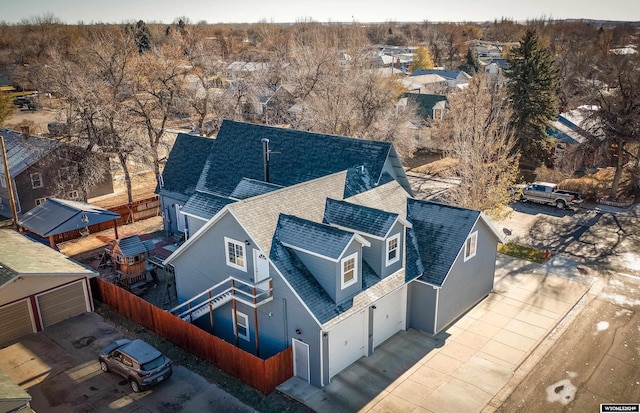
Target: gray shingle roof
x=359, y=218
x=447, y=74
x=57, y=216
x=311, y=236
x=390, y=197
x=296, y=156
x=131, y=246
x=440, y=232
x=184, y=165
x=425, y=102
x=205, y=205
x=248, y=188
x=22, y=153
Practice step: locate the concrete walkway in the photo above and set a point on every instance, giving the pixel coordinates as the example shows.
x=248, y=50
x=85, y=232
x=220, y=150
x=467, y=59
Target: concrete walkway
x=464, y=367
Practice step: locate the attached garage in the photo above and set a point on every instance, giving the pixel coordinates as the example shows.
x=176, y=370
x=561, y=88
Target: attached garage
x=62, y=303
x=15, y=321
x=389, y=315
x=347, y=342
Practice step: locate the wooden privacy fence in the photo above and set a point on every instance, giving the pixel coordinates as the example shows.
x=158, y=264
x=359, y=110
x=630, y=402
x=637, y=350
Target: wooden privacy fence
x=260, y=374
x=143, y=209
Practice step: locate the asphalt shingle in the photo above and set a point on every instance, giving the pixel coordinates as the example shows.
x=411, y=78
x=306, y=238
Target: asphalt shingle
x=359, y=218
x=311, y=236
x=205, y=205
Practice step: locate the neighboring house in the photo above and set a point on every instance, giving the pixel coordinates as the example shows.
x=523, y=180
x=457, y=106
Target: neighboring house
x=202, y=175
x=429, y=106
x=318, y=264
x=495, y=70
x=430, y=83
x=40, y=170
x=571, y=129
x=454, y=78
x=39, y=287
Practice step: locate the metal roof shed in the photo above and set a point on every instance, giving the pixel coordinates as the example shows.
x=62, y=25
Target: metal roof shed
x=57, y=216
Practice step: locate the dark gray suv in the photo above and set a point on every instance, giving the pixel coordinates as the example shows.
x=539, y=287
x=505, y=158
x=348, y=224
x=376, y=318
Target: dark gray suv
x=140, y=363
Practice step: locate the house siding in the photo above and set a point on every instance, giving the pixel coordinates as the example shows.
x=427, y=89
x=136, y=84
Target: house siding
x=468, y=282
x=421, y=305
x=374, y=255
x=194, y=224
x=22, y=287
x=351, y=290
x=169, y=211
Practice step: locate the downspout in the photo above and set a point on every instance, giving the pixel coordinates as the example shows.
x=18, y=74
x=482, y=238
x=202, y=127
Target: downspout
x=265, y=158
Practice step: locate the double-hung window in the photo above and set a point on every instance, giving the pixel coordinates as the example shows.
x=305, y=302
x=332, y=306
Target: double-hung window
x=470, y=246
x=36, y=181
x=393, y=249
x=349, y=271
x=242, y=325
x=235, y=254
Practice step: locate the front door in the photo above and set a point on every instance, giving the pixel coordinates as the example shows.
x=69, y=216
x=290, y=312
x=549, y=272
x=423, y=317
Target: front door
x=300, y=359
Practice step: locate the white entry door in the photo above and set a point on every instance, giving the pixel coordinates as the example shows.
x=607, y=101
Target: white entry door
x=300, y=359
x=260, y=268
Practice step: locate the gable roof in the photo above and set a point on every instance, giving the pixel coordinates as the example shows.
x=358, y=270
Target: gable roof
x=359, y=218
x=390, y=197
x=447, y=74
x=57, y=216
x=204, y=205
x=23, y=152
x=20, y=256
x=313, y=237
x=296, y=156
x=131, y=246
x=426, y=103
x=184, y=164
x=440, y=231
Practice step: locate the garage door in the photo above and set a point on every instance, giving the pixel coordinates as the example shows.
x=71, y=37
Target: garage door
x=62, y=303
x=389, y=316
x=347, y=343
x=15, y=321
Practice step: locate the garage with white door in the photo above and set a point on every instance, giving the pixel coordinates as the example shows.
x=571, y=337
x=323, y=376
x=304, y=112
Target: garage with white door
x=62, y=303
x=347, y=342
x=15, y=321
x=389, y=315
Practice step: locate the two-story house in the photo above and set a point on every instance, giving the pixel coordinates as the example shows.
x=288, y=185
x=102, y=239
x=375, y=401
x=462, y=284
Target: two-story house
x=40, y=170
x=328, y=270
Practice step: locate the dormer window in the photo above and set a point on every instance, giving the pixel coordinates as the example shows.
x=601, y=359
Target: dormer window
x=470, y=246
x=393, y=245
x=235, y=254
x=349, y=274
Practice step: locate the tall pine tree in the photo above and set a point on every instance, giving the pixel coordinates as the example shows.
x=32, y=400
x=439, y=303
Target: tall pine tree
x=532, y=82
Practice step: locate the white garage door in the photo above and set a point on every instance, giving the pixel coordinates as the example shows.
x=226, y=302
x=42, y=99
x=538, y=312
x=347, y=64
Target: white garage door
x=62, y=303
x=347, y=342
x=15, y=321
x=389, y=316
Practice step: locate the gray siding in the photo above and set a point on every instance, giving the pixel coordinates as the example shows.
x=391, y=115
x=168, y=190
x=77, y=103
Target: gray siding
x=468, y=282
x=374, y=255
x=194, y=224
x=398, y=228
x=328, y=272
x=421, y=305
x=169, y=211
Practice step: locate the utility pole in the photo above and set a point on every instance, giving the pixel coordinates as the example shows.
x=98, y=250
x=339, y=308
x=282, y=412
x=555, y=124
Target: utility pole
x=9, y=184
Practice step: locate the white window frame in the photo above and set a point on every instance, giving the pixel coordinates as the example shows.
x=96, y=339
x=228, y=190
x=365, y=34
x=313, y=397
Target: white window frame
x=471, y=246
x=40, y=200
x=237, y=317
x=397, y=249
x=354, y=280
x=74, y=195
x=36, y=176
x=3, y=180
x=227, y=242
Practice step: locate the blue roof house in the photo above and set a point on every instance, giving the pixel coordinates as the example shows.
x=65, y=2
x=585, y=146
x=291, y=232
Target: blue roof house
x=329, y=260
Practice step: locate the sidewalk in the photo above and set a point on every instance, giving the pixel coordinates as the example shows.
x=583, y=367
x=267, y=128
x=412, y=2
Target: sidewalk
x=463, y=368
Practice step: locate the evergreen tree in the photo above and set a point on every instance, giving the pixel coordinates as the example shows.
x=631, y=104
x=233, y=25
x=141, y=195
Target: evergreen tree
x=142, y=36
x=532, y=83
x=471, y=64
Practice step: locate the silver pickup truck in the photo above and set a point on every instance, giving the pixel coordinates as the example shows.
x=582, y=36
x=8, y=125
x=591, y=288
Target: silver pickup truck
x=547, y=193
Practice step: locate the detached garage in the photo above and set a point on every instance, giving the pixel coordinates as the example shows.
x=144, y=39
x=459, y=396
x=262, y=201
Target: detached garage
x=39, y=287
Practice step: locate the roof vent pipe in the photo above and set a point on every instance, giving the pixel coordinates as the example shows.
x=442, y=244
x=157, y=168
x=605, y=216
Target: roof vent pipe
x=265, y=158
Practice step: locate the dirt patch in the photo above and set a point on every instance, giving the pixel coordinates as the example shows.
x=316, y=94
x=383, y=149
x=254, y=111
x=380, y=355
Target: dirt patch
x=440, y=168
x=598, y=185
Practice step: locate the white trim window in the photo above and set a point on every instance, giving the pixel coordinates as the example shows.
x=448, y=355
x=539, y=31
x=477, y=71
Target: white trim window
x=349, y=271
x=241, y=325
x=235, y=254
x=36, y=180
x=471, y=246
x=393, y=250
x=40, y=201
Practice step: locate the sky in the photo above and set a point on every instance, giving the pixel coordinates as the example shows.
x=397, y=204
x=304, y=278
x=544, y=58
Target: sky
x=288, y=11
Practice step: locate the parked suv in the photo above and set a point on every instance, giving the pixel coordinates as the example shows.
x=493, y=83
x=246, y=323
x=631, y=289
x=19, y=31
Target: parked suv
x=140, y=363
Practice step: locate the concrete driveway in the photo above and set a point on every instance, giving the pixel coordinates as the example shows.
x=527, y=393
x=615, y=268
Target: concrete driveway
x=463, y=368
x=58, y=367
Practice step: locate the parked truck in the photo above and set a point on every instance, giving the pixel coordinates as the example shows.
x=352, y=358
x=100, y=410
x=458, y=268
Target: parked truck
x=548, y=193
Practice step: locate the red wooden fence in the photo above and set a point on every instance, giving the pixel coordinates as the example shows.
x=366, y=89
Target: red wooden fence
x=263, y=375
